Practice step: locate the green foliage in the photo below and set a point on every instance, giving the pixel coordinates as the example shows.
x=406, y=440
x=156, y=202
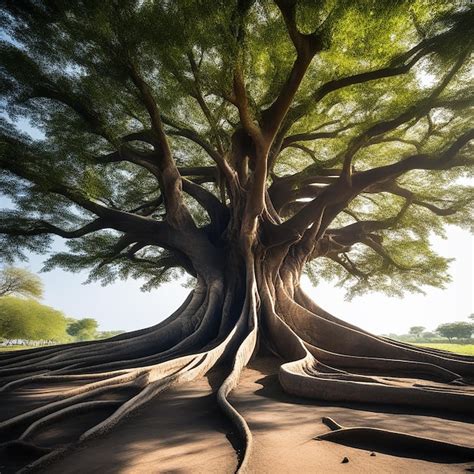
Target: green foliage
x=65, y=69
x=416, y=330
x=83, y=329
x=20, y=282
x=458, y=330
x=27, y=319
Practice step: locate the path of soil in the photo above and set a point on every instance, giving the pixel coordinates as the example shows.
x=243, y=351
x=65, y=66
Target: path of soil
x=184, y=432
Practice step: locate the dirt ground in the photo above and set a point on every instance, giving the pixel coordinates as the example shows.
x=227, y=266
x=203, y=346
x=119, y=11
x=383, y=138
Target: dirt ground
x=184, y=432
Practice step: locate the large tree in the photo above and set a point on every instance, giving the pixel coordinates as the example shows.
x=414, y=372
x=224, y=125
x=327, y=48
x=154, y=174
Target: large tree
x=242, y=142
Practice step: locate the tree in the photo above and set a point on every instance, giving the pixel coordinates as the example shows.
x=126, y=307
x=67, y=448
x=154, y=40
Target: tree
x=458, y=330
x=253, y=143
x=15, y=322
x=30, y=320
x=17, y=281
x=83, y=329
x=107, y=334
x=416, y=330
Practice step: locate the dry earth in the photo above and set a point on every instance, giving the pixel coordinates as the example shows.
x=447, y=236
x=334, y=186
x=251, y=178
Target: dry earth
x=184, y=432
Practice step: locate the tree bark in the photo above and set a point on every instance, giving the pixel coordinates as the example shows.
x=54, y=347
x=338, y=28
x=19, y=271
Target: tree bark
x=250, y=302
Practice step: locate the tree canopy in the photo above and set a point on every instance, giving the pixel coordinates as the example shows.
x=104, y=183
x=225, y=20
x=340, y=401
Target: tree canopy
x=243, y=142
x=457, y=329
x=28, y=319
x=373, y=93
x=416, y=330
x=20, y=282
x=83, y=329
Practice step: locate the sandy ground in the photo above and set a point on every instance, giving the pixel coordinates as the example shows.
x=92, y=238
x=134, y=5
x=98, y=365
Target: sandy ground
x=184, y=432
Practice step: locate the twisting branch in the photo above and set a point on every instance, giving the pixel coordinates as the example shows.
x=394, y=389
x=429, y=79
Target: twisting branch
x=217, y=211
x=217, y=156
x=336, y=196
x=290, y=140
x=394, y=188
x=31, y=227
x=400, y=65
x=444, y=160
x=386, y=126
x=170, y=179
x=198, y=95
x=306, y=45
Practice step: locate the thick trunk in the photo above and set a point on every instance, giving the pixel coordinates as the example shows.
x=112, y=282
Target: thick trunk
x=248, y=304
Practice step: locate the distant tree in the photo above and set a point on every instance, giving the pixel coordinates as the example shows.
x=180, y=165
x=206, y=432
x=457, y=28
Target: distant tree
x=15, y=322
x=471, y=316
x=107, y=334
x=30, y=320
x=416, y=330
x=83, y=329
x=20, y=282
x=429, y=335
x=458, y=329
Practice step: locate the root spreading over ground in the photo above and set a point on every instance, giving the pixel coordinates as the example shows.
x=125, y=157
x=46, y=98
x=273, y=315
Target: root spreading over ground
x=240, y=147
x=322, y=358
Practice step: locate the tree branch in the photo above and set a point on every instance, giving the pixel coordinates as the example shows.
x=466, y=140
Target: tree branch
x=306, y=47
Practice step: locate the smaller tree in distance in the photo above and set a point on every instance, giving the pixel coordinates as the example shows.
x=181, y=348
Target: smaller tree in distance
x=83, y=329
x=20, y=282
x=458, y=330
x=29, y=320
x=416, y=330
x=108, y=334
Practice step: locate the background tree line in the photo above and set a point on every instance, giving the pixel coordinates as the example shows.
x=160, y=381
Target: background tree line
x=457, y=331
x=24, y=320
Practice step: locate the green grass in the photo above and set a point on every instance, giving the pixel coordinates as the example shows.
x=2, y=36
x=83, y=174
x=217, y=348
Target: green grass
x=466, y=349
x=15, y=348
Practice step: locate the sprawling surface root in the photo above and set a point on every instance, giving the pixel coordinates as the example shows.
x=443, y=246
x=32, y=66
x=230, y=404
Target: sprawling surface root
x=387, y=441
x=323, y=358
x=307, y=341
x=201, y=344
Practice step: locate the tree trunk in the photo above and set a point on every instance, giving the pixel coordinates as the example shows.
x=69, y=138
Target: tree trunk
x=245, y=306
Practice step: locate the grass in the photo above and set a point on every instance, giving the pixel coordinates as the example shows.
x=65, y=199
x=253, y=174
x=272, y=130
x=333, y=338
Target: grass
x=465, y=349
x=16, y=348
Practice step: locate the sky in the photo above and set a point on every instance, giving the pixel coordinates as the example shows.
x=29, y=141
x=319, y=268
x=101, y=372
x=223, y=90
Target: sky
x=123, y=305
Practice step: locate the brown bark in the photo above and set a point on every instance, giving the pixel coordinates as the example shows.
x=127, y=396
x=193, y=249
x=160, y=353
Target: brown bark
x=237, y=310
x=247, y=261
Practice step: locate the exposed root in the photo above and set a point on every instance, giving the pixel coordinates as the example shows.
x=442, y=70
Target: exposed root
x=324, y=359
x=303, y=375
x=73, y=409
x=154, y=340
x=333, y=337
x=146, y=382
x=242, y=357
x=306, y=302
x=387, y=441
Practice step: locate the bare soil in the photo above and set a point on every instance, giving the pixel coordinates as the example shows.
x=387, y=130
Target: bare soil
x=183, y=431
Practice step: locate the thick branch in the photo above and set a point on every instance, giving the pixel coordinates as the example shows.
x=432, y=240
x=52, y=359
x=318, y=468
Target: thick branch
x=170, y=179
x=41, y=227
x=306, y=47
x=386, y=126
